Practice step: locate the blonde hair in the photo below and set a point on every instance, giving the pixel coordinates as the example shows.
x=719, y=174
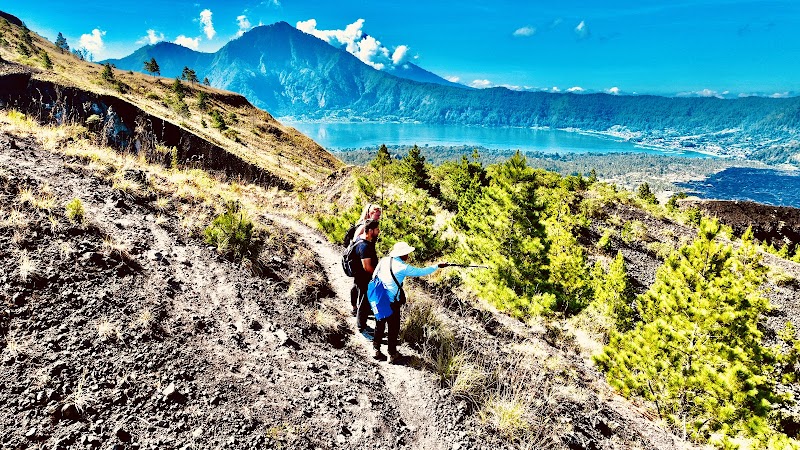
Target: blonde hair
x=367, y=210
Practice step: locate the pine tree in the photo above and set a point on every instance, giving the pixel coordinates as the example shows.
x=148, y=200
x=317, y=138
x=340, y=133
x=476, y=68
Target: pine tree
x=61, y=43
x=697, y=353
x=206, y=82
x=502, y=230
x=646, y=194
x=108, y=73
x=189, y=75
x=412, y=169
x=46, y=62
x=381, y=162
x=152, y=67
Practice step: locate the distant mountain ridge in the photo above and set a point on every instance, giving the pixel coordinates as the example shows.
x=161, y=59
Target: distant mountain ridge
x=291, y=73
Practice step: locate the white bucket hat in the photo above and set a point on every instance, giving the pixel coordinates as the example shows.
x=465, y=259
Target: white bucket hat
x=401, y=248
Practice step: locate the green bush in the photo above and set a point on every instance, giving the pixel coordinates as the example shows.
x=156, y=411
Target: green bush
x=231, y=232
x=75, y=211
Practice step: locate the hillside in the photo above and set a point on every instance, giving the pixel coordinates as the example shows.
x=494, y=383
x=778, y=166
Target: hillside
x=290, y=73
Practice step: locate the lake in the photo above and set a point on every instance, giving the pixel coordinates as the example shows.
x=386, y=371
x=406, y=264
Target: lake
x=772, y=187
x=356, y=135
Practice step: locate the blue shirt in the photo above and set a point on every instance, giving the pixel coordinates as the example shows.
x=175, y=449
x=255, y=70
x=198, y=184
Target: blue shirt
x=401, y=271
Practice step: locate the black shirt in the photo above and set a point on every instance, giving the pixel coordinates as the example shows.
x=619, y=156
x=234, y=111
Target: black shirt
x=365, y=249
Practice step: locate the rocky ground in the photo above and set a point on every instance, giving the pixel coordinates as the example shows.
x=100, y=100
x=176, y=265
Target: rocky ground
x=121, y=332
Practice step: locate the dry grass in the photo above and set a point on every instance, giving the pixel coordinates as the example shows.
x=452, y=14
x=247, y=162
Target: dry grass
x=27, y=267
x=144, y=320
x=108, y=330
x=81, y=397
x=111, y=246
x=506, y=415
x=14, y=218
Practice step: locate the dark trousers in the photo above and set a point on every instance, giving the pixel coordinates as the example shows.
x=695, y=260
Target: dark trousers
x=362, y=304
x=354, y=296
x=393, y=322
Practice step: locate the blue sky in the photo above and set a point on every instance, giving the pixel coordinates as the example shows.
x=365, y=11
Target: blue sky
x=684, y=47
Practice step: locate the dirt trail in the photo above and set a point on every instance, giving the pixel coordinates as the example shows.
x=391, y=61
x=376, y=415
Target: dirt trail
x=416, y=391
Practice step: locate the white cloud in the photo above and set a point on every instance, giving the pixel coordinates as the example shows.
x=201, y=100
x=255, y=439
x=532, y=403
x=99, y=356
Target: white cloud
x=188, y=42
x=208, y=25
x=703, y=93
x=780, y=95
x=244, y=25
x=361, y=45
x=582, y=30
x=481, y=84
x=525, y=31
x=94, y=41
x=555, y=89
x=575, y=89
x=152, y=38
x=453, y=79
x=614, y=90
x=400, y=54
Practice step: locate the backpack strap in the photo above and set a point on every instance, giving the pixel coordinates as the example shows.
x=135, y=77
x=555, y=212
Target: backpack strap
x=399, y=286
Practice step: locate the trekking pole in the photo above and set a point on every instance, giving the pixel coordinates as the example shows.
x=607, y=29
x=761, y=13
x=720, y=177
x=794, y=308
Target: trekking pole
x=467, y=266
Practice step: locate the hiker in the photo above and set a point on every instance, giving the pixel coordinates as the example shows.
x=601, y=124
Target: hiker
x=370, y=211
x=367, y=259
x=392, y=270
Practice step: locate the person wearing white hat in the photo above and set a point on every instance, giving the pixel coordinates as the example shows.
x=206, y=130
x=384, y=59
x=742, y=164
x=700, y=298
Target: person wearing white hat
x=392, y=271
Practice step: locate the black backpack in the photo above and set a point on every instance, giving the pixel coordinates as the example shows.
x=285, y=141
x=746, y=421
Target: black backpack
x=349, y=236
x=349, y=259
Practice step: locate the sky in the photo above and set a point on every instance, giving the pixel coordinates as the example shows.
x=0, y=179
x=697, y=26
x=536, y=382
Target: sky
x=723, y=48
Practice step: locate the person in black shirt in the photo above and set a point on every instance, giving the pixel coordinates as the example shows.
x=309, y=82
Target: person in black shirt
x=365, y=252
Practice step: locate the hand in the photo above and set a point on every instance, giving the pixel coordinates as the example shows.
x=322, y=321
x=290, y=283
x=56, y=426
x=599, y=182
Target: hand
x=443, y=265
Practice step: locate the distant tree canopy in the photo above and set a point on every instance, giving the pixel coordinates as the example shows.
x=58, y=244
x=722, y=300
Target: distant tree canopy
x=206, y=82
x=61, y=43
x=152, y=67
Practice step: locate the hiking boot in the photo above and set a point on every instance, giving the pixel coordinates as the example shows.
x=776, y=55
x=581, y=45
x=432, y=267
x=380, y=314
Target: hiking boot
x=379, y=356
x=395, y=358
x=354, y=312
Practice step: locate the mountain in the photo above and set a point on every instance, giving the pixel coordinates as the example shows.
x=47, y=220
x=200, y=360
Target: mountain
x=171, y=58
x=291, y=73
x=411, y=71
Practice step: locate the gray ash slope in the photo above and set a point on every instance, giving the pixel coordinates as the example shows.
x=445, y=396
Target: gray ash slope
x=223, y=360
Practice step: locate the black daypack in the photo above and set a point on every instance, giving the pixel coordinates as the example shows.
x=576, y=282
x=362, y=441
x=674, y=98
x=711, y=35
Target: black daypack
x=349, y=259
x=349, y=236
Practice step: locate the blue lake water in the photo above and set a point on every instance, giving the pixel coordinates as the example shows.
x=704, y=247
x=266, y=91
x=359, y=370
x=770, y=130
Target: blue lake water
x=773, y=187
x=349, y=135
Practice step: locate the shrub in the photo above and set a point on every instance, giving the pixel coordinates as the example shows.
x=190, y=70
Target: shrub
x=231, y=232
x=218, y=121
x=604, y=243
x=75, y=211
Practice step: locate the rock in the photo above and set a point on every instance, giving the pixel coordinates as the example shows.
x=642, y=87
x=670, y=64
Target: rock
x=173, y=394
x=255, y=325
x=70, y=412
x=57, y=368
x=122, y=434
x=31, y=434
